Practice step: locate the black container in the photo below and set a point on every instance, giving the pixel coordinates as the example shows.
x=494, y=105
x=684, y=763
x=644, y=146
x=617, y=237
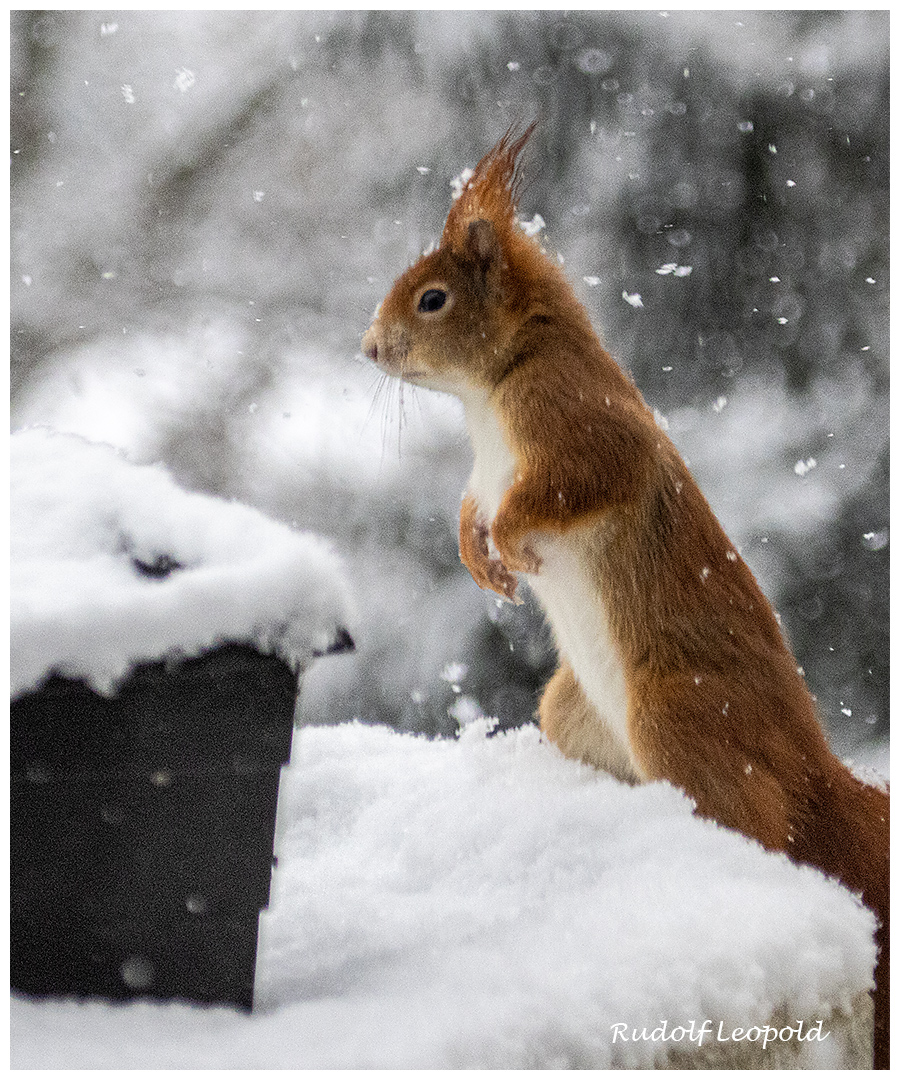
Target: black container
x=142, y=828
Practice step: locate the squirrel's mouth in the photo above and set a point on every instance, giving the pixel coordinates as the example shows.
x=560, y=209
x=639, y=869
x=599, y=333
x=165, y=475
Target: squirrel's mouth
x=389, y=351
x=391, y=366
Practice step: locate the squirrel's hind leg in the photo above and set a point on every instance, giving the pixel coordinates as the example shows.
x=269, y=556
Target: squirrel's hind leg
x=569, y=719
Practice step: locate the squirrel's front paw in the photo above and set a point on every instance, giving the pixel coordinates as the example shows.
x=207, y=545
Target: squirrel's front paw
x=501, y=580
x=524, y=560
x=486, y=569
x=513, y=543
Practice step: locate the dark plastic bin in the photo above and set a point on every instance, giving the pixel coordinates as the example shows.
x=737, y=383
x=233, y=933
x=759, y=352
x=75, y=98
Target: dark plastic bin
x=142, y=828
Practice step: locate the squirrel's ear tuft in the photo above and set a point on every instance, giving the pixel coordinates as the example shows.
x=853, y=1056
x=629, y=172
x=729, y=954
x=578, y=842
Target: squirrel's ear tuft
x=488, y=196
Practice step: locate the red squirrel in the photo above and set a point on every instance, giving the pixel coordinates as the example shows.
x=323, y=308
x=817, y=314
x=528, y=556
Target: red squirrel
x=672, y=665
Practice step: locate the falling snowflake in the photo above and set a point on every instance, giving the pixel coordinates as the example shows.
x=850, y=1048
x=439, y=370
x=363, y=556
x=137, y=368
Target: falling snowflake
x=454, y=672
x=184, y=80
x=533, y=227
x=674, y=269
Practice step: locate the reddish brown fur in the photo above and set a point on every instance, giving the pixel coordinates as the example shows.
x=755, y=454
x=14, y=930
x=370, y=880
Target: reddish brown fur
x=715, y=701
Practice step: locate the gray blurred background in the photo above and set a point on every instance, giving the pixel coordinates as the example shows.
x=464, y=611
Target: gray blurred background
x=207, y=206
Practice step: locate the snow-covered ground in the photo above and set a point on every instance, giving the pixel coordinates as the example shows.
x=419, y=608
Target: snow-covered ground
x=478, y=902
x=486, y=903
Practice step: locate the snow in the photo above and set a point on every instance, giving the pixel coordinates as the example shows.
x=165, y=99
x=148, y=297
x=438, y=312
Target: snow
x=760, y=435
x=483, y=902
x=208, y=319
x=331, y=446
x=197, y=324
x=84, y=522
x=322, y=440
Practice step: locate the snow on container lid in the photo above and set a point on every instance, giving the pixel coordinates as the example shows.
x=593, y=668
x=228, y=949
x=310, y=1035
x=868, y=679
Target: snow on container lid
x=112, y=564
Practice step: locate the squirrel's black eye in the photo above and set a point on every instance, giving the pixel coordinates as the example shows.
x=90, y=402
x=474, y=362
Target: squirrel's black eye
x=432, y=300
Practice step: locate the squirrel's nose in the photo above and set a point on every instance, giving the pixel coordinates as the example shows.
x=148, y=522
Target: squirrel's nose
x=370, y=344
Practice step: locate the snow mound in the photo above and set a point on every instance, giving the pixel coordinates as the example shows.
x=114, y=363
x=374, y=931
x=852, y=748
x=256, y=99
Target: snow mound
x=113, y=564
x=486, y=903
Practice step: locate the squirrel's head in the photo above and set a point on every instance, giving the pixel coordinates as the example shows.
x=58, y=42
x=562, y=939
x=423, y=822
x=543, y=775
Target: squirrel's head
x=449, y=319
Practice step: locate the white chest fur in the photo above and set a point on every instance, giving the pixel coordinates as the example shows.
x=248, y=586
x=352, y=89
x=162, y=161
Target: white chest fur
x=576, y=611
x=564, y=587
x=494, y=468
